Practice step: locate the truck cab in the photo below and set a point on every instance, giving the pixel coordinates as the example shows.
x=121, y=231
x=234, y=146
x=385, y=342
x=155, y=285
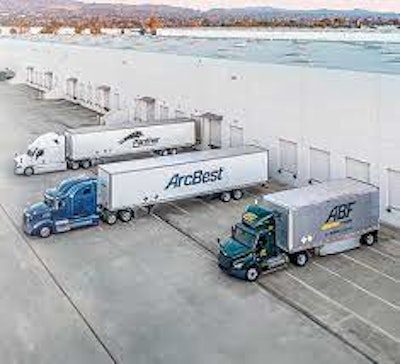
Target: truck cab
x=73, y=204
x=251, y=248
x=45, y=154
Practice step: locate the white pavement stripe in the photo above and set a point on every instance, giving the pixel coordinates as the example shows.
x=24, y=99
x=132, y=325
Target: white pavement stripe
x=392, y=305
x=179, y=208
x=383, y=254
x=337, y=304
x=371, y=268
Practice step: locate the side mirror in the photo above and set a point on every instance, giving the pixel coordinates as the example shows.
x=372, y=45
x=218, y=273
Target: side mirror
x=233, y=230
x=218, y=241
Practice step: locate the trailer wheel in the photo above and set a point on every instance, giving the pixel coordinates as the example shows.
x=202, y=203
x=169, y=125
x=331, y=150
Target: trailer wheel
x=369, y=239
x=225, y=196
x=164, y=152
x=174, y=151
x=125, y=215
x=300, y=259
x=44, y=232
x=86, y=164
x=252, y=274
x=111, y=218
x=74, y=166
x=237, y=194
x=28, y=171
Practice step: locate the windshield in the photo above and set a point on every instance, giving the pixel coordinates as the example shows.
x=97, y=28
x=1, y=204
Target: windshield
x=49, y=201
x=31, y=152
x=244, y=237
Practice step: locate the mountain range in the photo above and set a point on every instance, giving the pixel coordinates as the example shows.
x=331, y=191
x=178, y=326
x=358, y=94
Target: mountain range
x=98, y=9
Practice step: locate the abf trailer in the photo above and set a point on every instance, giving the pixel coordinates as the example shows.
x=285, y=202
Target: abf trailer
x=121, y=188
x=86, y=146
x=322, y=219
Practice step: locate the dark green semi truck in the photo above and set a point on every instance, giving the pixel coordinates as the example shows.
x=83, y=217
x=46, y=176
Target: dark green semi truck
x=292, y=225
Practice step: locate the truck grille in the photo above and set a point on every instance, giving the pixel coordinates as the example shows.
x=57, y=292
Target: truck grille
x=224, y=262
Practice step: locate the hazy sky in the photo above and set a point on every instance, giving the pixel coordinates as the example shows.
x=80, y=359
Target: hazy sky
x=379, y=5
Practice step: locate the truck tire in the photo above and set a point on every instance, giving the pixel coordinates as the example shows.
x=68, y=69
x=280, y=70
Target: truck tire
x=110, y=218
x=125, y=215
x=252, y=274
x=174, y=151
x=74, y=165
x=86, y=164
x=28, y=171
x=237, y=194
x=164, y=152
x=369, y=239
x=44, y=232
x=300, y=259
x=225, y=196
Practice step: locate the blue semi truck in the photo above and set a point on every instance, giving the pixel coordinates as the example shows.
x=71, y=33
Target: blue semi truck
x=290, y=226
x=121, y=188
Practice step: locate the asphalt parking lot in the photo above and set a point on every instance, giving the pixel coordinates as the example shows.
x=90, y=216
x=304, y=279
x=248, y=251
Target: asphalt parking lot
x=150, y=291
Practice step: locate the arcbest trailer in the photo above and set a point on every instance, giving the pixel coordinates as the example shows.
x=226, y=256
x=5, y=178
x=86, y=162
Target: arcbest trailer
x=322, y=219
x=122, y=188
x=84, y=147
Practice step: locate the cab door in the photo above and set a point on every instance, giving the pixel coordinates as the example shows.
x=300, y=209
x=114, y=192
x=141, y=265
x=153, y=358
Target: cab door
x=84, y=206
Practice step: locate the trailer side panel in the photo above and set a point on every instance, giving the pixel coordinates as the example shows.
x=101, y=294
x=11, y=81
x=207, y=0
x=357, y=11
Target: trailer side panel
x=183, y=180
x=117, y=142
x=336, y=219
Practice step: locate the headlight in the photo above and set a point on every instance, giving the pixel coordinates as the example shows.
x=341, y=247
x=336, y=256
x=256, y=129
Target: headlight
x=238, y=264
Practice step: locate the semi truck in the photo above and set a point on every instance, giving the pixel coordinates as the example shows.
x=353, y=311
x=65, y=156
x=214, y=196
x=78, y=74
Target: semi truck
x=120, y=189
x=87, y=146
x=292, y=225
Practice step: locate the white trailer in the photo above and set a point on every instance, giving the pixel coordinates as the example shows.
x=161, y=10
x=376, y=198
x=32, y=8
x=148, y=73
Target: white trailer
x=84, y=147
x=124, y=186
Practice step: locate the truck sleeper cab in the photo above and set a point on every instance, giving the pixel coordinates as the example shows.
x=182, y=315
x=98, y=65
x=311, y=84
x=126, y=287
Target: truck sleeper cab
x=72, y=205
x=293, y=225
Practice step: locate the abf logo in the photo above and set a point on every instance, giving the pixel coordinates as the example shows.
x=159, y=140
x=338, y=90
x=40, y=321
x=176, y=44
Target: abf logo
x=337, y=216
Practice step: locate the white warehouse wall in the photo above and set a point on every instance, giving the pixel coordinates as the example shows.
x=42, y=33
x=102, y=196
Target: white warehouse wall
x=348, y=114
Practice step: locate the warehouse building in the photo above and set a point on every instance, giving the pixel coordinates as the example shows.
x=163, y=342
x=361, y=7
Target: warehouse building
x=318, y=123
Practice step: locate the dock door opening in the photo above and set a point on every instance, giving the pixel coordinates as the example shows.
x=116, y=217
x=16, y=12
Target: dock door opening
x=210, y=125
x=393, y=190
x=236, y=136
x=288, y=157
x=357, y=169
x=320, y=165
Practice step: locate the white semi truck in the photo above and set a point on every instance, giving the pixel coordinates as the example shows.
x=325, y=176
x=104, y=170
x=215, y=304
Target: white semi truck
x=84, y=147
x=121, y=188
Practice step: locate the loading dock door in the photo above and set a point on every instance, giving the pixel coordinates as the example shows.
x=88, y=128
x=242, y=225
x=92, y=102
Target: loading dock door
x=288, y=156
x=320, y=168
x=215, y=134
x=164, y=112
x=357, y=169
x=71, y=87
x=394, y=190
x=236, y=136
